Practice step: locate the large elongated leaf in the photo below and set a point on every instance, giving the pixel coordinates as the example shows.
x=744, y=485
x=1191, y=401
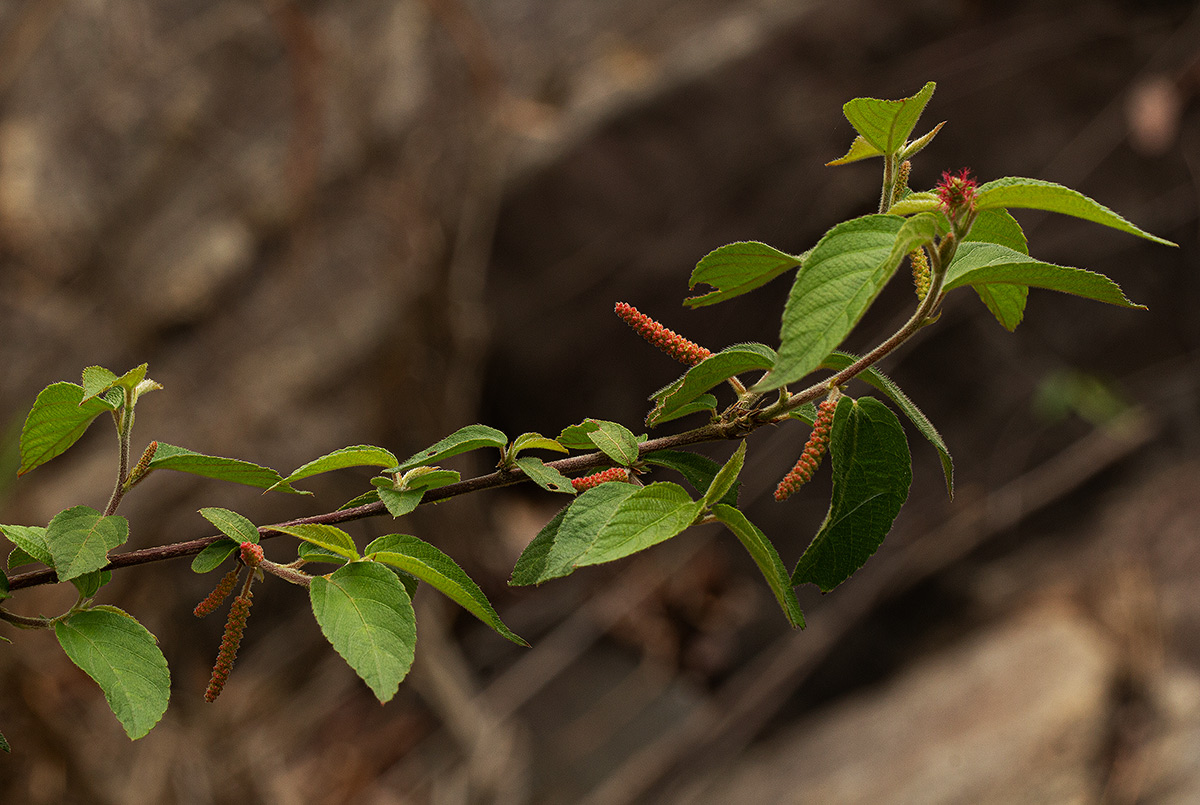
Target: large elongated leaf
x=647, y=517
x=547, y=478
x=554, y=552
x=180, y=459
x=871, y=475
x=1036, y=194
x=430, y=565
x=79, y=539
x=59, y=416
x=361, y=455
x=700, y=471
x=841, y=278
x=1006, y=302
x=366, y=615
x=887, y=124
x=471, y=437
x=767, y=559
x=988, y=263
x=726, y=477
x=737, y=268
x=124, y=660
x=873, y=377
x=709, y=373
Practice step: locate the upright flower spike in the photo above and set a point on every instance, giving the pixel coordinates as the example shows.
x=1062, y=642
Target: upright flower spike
x=604, y=476
x=920, y=271
x=956, y=192
x=810, y=458
x=669, y=341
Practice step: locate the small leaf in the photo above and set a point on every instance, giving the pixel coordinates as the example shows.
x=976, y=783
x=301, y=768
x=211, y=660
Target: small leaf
x=986, y=263
x=705, y=402
x=213, y=555
x=231, y=524
x=575, y=437
x=767, y=559
x=331, y=538
x=1035, y=194
x=871, y=475
x=873, y=377
x=366, y=615
x=430, y=565
x=90, y=583
x=726, y=477
x=918, y=145
x=859, y=149
x=429, y=478
x=362, y=455
x=361, y=500
x=399, y=502
x=738, y=268
x=615, y=441
x=58, y=418
x=313, y=553
x=710, y=372
x=547, y=478
x=79, y=539
x=472, y=437
x=887, y=124
x=649, y=516
x=700, y=471
x=31, y=541
x=534, y=441
x=846, y=271
x=133, y=378
x=554, y=551
x=180, y=459
x=96, y=380
x=124, y=660
x=1006, y=302
x=18, y=557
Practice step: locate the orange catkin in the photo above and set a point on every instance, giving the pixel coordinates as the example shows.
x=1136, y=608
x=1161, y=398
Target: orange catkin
x=668, y=341
x=810, y=458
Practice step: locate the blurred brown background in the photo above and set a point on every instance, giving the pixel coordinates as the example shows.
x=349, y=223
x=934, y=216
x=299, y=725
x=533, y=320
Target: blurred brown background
x=331, y=223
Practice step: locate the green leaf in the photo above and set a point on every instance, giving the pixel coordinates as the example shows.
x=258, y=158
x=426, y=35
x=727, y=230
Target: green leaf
x=846, y=271
x=180, y=459
x=575, y=437
x=1035, y=194
x=534, y=441
x=859, y=149
x=31, y=541
x=738, y=268
x=871, y=475
x=649, y=516
x=231, y=524
x=726, y=477
x=213, y=554
x=90, y=583
x=705, y=402
x=547, y=478
x=367, y=616
x=710, y=372
x=430, y=565
x=79, y=539
x=124, y=660
x=4, y=744
x=1006, y=302
x=362, y=455
x=429, y=478
x=554, y=551
x=18, y=557
x=767, y=559
x=472, y=437
x=978, y=264
x=700, y=471
x=887, y=124
x=873, y=377
x=96, y=380
x=331, y=538
x=360, y=500
x=313, y=553
x=399, y=502
x=918, y=145
x=58, y=418
x=915, y=203
x=615, y=441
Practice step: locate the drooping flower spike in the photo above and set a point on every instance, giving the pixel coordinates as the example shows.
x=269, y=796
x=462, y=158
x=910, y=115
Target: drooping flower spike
x=235, y=627
x=218, y=595
x=669, y=341
x=810, y=458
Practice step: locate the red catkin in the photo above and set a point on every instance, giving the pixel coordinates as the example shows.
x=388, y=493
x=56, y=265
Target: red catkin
x=252, y=554
x=590, y=481
x=668, y=341
x=235, y=626
x=218, y=595
x=810, y=458
x=956, y=192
